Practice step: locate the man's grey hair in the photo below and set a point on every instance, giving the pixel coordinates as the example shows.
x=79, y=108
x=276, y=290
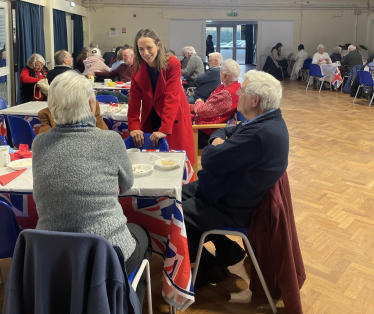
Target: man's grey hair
x=216, y=56
x=191, y=50
x=60, y=56
x=268, y=88
x=35, y=57
x=351, y=48
x=320, y=46
x=93, y=45
x=68, y=98
x=232, y=70
x=337, y=49
x=130, y=50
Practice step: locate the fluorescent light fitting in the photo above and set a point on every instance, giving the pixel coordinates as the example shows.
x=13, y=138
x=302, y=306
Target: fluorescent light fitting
x=72, y=4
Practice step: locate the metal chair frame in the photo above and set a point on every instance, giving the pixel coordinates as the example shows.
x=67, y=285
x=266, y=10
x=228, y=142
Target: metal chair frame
x=359, y=73
x=322, y=76
x=239, y=233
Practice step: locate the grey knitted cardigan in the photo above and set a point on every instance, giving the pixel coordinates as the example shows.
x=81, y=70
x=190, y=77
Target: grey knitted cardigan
x=194, y=68
x=77, y=173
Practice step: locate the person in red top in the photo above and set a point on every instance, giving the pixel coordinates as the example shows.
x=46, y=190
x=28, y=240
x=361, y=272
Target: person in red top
x=157, y=94
x=34, y=71
x=85, y=53
x=222, y=103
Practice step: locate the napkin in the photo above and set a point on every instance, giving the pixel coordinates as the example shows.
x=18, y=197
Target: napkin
x=6, y=178
x=23, y=152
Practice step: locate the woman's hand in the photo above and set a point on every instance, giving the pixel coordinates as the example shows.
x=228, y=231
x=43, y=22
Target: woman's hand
x=137, y=137
x=156, y=136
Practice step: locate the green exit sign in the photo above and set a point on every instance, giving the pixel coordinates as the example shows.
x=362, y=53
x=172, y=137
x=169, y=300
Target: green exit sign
x=232, y=14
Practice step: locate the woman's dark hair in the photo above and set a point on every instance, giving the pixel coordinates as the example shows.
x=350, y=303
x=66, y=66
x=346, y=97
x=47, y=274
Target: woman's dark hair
x=116, y=52
x=301, y=47
x=210, y=37
x=276, y=46
x=161, y=58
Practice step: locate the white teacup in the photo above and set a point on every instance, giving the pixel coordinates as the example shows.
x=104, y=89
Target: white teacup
x=133, y=154
x=106, y=81
x=4, y=156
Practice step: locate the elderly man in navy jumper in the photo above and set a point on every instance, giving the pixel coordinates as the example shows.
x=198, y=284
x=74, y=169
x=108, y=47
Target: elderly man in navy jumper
x=240, y=165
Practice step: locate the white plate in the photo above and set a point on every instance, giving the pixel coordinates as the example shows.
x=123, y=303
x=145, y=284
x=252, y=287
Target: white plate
x=140, y=170
x=175, y=164
x=20, y=164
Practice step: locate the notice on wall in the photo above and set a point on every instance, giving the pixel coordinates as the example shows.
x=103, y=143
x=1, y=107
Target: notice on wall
x=123, y=30
x=113, y=33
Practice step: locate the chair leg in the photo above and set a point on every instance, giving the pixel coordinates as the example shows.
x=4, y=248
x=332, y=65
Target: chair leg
x=371, y=100
x=308, y=83
x=198, y=256
x=323, y=80
x=356, y=94
x=172, y=310
x=149, y=291
x=1, y=278
x=259, y=273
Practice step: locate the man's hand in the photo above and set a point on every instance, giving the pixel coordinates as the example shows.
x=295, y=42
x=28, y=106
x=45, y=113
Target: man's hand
x=137, y=137
x=156, y=136
x=217, y=141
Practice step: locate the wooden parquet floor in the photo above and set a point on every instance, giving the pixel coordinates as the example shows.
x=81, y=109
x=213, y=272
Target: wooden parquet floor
x=331, y=172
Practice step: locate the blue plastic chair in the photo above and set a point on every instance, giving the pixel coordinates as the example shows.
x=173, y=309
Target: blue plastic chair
x=315, y=71
x=3, y=141
x=364, y=78
x=3, y=79
x=21, y=130
x=238, y=232
x=107, y=98
x=306, y=64
x=3, y=104
x=162, y=144
x=108, y=123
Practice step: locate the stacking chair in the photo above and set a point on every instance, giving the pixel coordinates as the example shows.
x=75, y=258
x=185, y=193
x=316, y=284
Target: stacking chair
x=243, y=233
x=162, y=143
x=315, y=71
x=364, y=78
x=3, y=104
x=21, y=131
x=107, y=98
x=108, y=123
x=305, y=67
x=9, y=231
x=3, y=141
x=63, y=272
x=3, y=79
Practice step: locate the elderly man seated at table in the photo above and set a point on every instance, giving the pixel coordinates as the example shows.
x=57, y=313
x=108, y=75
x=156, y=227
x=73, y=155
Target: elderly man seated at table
x=352, y=58
x=240, y=165
x=222, y=103
x=79, y=170
x=63, y=62
x=194, y=68
x=124, y=70
x=209, y=81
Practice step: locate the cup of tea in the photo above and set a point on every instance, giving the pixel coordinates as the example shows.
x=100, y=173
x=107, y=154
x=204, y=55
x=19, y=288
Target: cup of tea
x=106, y=81
x=133, y=154
x=4, y=156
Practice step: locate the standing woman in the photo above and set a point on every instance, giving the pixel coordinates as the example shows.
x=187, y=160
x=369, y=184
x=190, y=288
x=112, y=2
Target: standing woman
x=276, y=54
x=157, y=96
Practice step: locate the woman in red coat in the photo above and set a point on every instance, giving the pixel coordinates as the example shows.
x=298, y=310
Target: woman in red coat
x=157, y=94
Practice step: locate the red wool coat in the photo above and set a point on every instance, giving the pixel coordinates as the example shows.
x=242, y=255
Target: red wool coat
x=170, y=103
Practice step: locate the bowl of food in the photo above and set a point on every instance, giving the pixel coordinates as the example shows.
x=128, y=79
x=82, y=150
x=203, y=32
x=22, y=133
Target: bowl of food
x=168, y=163
x=20, y=164
x=120, y=83
x=140, y=170
x=111, y=84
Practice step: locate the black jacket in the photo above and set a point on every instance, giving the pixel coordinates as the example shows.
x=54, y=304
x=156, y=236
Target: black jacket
x=352, y=59
x=237, y=174
x=207, y=83
x=271, y=68
x=59, y=69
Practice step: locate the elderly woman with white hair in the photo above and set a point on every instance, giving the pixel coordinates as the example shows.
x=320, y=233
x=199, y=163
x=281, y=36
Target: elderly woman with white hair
x=34, y=71
x=92, y=167
x=336, y=55
x=195, y=66
x=239, y=166
x=222, y=103
x=95, y=63
x=321, y=57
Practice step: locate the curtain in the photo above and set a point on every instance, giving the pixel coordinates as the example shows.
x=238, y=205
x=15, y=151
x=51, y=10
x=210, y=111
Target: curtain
x=254, y=61
x=30, y=34
x=60, y=30
x=78, y=36
x=249, y=44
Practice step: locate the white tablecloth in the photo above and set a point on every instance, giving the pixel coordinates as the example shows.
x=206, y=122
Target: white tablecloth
x=32, y=108
x=329, y=69
x=158, y=183
x=106, y=87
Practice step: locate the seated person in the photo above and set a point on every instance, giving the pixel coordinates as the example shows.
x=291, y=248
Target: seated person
x=114, y=58
x=336, y=55
x=301, y=56
x=321, y=57
x=276, y=54
x=209, y=81
x=124, y=70
x=63, y=62
x=94, y=63
x=119, y=61
x=352, y=58
x=194, y=68
x=222, y=103
x=85, y=53
x=184, y=61
x=92, y=168
x=240, y=165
